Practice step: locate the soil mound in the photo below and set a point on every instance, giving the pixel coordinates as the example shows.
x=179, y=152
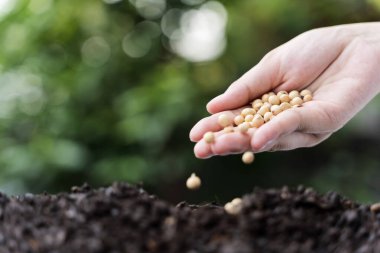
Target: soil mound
x=124, y=218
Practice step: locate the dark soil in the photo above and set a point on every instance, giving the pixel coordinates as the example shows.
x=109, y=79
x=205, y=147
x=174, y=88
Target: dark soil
x=124, y=218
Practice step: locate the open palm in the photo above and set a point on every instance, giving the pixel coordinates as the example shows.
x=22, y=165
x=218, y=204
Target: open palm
x=340, y=65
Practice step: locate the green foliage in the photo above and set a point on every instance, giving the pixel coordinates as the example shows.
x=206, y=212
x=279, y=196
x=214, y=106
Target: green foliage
x=92, y=92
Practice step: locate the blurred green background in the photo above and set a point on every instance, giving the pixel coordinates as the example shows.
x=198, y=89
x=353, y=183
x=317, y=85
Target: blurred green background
x=101, y=91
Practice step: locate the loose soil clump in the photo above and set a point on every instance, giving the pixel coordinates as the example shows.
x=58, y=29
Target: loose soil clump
x=124, y=218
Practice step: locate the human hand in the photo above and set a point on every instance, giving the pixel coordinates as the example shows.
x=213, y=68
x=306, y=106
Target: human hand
x=340, y=65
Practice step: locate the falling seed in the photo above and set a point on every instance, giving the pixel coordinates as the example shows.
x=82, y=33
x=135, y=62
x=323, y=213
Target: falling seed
x=193, y=182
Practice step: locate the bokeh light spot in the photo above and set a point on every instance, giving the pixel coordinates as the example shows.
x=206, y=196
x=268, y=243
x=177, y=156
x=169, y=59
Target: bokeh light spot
x=136, y=44
x=6, y=6
x=95, y=51
x=150, y=9
x=202, y=36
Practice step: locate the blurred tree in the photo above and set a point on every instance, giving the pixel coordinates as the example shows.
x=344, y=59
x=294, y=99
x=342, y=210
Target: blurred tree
x=99, y=91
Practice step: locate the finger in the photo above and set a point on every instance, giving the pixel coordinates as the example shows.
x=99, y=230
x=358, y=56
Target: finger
x=210, y=124
x=224, y=144
x=308, y=119
x=261, y=78
x=294, y=140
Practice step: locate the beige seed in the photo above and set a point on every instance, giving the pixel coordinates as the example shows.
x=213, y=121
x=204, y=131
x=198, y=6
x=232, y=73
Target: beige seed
x=265, y=97
x=224, y=120
x=281, y=93
x=238, y=120
x=307, y=98
x=285, y=106
x=248, y=157
x=296, y=101
x=248, y=118
x=193, y=182
x=271, y=93
x=305, y=92
x=375, y=207
x=243, y=127
x=257, y=106
x=267, y=104
x=257, y=121
x=293, y=94
x=209, y=137
x=247, y=111
x=284, y=98
x=236, y=201
x=229, y=129
x=275, y=109
x=274, y=100
x=233, y=208
x=268, y=116
x=229, y=208
x=256, y=101
x=263, y=110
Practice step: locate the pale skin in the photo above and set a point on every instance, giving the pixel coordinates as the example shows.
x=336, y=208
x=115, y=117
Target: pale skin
x=340, y=65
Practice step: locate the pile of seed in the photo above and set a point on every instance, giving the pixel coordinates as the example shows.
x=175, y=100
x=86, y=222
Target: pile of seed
x=124, y=218
x=258, y=113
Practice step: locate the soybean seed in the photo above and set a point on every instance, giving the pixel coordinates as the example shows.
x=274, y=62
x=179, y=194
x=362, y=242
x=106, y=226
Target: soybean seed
x=305, y=92
x=243, y=127
x=238, y=120
x=274, y=100
x=248, y=157
x=234, y=207
x=285, y=106
x=268, y=116
x=375, y=207
x=257, y=106
x=307, y=98
x=296, y=101
x=247, y=111
x=257, y=121
x=267, y=104
x=265, y=97
x=209, y=137
x=284, y=98
x=280, y=93
x=224, y=120
x=256, y=101
x=293, y=94
x=193, y=182
x=263, y=110
x=236, y=201
x=248, y=118
x=229, y=129
x=275, y=109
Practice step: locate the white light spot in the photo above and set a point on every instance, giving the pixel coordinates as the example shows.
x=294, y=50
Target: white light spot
x=6, y=6
x=202, y=36
x=95, y=51
x=20, y=91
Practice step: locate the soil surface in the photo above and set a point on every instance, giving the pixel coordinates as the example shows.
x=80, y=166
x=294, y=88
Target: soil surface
x=124, y=218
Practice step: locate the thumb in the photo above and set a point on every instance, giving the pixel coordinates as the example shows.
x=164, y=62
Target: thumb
x=258, y=80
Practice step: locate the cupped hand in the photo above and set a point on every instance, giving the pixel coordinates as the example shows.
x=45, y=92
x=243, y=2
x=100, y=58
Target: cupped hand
x=340, y=65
